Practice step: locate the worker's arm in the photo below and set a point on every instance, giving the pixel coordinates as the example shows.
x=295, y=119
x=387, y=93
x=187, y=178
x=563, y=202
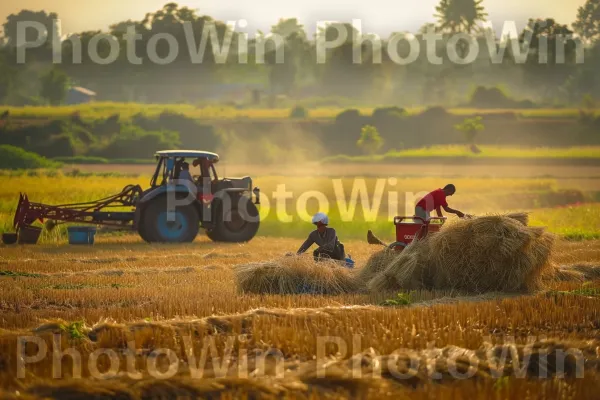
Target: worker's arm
x=439, y=212
x=309, y=242
x=453, y=211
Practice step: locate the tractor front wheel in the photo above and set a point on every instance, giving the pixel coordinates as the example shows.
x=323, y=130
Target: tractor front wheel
x=156, y=226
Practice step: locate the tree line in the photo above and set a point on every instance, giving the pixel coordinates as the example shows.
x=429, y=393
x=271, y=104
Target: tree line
x=550, y=73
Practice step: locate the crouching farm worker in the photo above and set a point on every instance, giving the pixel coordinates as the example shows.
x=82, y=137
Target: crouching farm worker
x=327, y=240
x=436, y=200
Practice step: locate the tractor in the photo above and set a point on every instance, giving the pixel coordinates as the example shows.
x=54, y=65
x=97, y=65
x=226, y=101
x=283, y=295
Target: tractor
x=171, y=210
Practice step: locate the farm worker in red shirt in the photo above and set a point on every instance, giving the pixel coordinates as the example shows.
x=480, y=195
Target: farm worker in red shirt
x=436, y=200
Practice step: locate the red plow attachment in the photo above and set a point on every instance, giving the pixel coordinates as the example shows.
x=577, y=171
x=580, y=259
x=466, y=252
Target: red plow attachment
x=93, y=212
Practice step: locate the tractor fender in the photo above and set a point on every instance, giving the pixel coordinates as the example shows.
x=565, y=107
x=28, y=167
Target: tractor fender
x=162, y=190
x=235, y=190
x=226, y=194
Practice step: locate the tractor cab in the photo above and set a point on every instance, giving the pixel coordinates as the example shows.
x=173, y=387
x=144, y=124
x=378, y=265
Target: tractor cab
x=202, y=170
x=170, y=162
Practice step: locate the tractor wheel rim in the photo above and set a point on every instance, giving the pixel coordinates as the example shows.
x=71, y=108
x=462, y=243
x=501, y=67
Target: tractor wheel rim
x=172, y=229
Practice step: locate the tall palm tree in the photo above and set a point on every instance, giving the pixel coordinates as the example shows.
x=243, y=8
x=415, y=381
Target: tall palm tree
x=460, y=15
x=587, y=24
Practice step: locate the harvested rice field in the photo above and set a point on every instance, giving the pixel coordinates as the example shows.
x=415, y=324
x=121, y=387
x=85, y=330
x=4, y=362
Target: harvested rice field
x=124, y=319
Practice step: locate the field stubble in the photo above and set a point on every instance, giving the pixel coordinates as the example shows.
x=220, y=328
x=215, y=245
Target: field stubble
x=157, y=296
x=122, y=289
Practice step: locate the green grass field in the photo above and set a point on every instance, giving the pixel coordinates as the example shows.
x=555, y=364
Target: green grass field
x=500, y=152
x=488, y=153
x=354, y=205
x=127, y=110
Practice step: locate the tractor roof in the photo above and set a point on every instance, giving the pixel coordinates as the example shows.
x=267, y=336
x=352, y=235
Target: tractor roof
x=190, y=154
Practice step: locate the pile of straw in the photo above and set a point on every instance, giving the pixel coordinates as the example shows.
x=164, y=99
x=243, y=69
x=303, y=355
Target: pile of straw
x=295, y=275
x=482, y=254
x=577, y=272
x=376, y=264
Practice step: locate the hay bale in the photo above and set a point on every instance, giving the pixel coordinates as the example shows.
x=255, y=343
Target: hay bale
x=376, y=263
x=405, y=270
x=295, y=275
x=484, y=254
x=566, y=275
x=589, y=271
x=522, y=217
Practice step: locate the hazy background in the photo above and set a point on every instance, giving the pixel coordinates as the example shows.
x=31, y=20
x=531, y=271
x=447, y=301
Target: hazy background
x=262, y=14
x=300, y=108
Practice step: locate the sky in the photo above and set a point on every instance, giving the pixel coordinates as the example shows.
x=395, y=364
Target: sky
x=378, y=16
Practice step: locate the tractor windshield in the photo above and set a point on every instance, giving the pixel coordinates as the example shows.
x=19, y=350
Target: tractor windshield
x=207, y=169
x=157, y=172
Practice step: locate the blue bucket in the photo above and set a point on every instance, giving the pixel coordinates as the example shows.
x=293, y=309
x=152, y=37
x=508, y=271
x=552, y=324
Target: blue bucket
x=81, y=234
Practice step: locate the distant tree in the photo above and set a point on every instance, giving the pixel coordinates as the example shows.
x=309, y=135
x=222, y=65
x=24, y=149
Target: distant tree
x=4, y=86
x=587, y=112
x=289, y=27
x=299, y=112
x=181, y=78
x=8, y=76
x=370, y=141
x=427, y=27
x=587, y=24
x=55, y=84
x=283, y=77
x=340, y=75
x=470, y=127
x=454, y=16
x=460, y=15
x=543, y=68
x=588, y=102
x=493, y=97
x=10, y=26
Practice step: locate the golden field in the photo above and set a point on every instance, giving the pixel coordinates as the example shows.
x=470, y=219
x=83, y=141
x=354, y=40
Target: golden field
x=184, y=297
x=356, y=203
x=143, y=320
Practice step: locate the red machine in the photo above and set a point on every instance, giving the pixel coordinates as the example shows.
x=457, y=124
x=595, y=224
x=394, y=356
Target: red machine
x=406, y=232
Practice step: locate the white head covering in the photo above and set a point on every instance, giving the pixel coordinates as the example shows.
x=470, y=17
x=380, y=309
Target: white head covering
x=320, y=217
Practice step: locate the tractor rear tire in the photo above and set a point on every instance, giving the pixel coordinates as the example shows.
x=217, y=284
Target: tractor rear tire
x=231, y=225
x=155, y=228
